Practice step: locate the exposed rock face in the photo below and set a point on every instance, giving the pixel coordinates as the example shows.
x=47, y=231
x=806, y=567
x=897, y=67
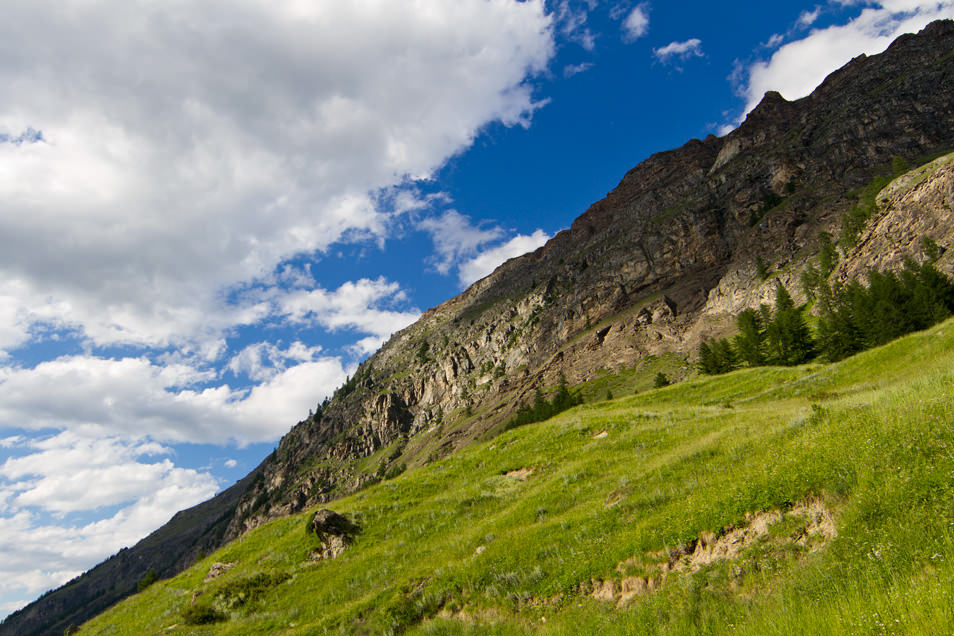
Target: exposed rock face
x=662, y=261
x=918, y=205
x=334, y=531
x=216, y=570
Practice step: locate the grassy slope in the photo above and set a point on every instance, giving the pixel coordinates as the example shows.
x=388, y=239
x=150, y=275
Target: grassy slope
x=460, y=547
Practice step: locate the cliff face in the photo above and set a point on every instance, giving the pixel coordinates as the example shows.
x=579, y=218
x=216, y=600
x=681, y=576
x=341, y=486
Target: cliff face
x=662, y=261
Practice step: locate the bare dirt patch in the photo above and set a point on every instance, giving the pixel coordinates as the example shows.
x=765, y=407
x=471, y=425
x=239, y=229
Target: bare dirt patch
x=808, y=524
x=216, y=570
x=521, y=474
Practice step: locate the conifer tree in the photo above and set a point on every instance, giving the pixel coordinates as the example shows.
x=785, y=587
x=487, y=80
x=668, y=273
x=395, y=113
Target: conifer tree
x=788, y=338
x=706, y=362
x=749, y=342
x=725, y=355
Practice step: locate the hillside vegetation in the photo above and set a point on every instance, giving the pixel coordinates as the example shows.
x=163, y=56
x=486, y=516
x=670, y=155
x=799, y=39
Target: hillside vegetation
x=799, y=500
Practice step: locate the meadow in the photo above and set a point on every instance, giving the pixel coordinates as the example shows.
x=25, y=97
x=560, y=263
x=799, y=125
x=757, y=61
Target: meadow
x=816, y=499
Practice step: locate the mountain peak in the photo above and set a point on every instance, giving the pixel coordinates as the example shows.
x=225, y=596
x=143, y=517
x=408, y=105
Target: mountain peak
x=661, y=262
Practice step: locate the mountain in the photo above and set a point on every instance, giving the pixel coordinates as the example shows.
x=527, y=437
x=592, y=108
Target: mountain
x=769, y=501
x=687, y=239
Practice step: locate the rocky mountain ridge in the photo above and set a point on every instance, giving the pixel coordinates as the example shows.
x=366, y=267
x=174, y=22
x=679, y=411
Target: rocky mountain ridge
x=663, y=260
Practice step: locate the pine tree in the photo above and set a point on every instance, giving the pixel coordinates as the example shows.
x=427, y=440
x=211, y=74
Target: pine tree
x=725, y=355
x=788, y=338
x=749, y=342
x=706, y=362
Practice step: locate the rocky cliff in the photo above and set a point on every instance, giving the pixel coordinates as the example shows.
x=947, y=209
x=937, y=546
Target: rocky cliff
x=666, y=258
x=663, y=260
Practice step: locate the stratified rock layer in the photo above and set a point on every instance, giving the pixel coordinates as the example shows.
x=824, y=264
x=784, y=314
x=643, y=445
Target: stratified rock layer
x=664, y=260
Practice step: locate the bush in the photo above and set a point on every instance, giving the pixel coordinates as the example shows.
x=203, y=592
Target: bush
x=542, y=410
x=202, y=613
x=661, y=380
x=147, y=580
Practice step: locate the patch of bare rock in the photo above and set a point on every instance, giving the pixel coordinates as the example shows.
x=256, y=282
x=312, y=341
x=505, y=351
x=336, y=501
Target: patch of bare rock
x=335, y=532
x=808, y=524
x=216, y=570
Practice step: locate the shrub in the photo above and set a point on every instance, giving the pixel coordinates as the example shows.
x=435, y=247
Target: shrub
x=148, y=579
x=201, y=613
x=541, y=409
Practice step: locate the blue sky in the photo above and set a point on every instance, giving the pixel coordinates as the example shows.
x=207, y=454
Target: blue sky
x=211, y=212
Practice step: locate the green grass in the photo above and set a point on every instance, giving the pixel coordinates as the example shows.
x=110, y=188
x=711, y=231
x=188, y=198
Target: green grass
x=636, y=379
x=461, y=547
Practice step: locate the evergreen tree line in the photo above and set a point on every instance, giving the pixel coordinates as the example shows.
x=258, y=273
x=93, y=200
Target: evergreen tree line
x=541, y=409
x=855, y=317
x=852, y=317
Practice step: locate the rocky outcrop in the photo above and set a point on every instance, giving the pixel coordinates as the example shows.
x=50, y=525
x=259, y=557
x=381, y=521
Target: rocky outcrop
x=335, y=533
x=915, y=206
x=663, y=260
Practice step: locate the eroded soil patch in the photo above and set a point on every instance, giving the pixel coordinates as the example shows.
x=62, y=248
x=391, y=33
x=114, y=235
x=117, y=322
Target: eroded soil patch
x=808, y=525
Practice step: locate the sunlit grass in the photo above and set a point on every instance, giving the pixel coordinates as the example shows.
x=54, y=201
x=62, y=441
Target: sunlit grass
x=460, y=547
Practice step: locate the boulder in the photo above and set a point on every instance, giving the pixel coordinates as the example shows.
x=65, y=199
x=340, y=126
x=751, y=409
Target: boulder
x=335, y=532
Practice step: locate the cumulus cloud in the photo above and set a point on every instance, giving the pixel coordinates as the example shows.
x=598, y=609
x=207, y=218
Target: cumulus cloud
x=798, y=67
x=265, y=360
x=365, y=305
x=456, y=237
x=677, y=51
x=636, y=23
x=181, y=150
x=487, y=261
x=133, y=397
x=55, y=478
x=460, y=243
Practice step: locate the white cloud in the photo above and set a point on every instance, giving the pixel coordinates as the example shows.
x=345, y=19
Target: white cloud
x=773, y=41
x=230, y=463
x=190, y=148
x=636, y=24
x=363, y=305
x=571, y=22
x=679, y=50
x=486, y=262
x=798, y=67
x=459, y=242
x=264, y=360
x=455, y=237
x=58, y=475
x=575, y=69
x=132, y=397
x=12, y=441
x=39, y=554
x=807, y=18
